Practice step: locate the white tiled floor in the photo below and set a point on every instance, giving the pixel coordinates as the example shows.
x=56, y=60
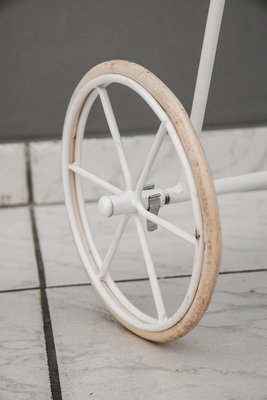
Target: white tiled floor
x=23, y=364
x=62, y=263
x=13, y=182
x=224, y=357
x=96, y=356
x=244, y=229
x=17, y=260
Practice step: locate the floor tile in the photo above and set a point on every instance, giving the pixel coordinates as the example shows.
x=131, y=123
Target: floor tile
x=244, y=228
x=223, y=357
x=62, y=263
x=17, y=259
x=46, y=171
x=233, y=152
x=23, y=363
x=13, y=182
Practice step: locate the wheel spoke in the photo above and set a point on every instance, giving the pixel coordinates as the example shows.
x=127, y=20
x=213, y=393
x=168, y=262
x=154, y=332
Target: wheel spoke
x=111, y=120
x=113, y=246
x=120, y=296
x=151, y=271
x=95, y=179
x=166, y=225
x=151, y=157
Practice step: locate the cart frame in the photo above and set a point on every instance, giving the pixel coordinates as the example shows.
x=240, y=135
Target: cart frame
x=252, y=181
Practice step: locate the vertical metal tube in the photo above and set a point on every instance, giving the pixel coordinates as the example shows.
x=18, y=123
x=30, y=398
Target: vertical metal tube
x=205, y=68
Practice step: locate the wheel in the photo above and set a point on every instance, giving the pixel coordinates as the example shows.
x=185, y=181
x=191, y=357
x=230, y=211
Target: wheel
x=135, y=202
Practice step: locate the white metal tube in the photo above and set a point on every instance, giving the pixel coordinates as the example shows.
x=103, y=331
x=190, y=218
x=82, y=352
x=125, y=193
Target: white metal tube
x=151, y=271
x=111, y=120
x=165, y=224
x=126, y=203
x=113, y=246
x=120, y=296
x=93, y=178
x=151, y=157
x=78, y=179
x=240, y=183
x=117, y=204
x=205, y=68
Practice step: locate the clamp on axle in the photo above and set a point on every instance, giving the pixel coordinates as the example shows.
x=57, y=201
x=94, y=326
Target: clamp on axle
x=153, y=207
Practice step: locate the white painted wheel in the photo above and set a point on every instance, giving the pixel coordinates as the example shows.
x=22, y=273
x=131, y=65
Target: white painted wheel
x=132, y=201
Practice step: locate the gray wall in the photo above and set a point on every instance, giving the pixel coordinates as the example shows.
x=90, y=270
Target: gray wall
x=46, y=47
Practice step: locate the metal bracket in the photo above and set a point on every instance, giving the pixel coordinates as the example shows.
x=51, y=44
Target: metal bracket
x=149, y=186
x=153, y=207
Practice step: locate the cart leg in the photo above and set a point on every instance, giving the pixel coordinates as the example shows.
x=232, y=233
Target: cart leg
x=205, y=68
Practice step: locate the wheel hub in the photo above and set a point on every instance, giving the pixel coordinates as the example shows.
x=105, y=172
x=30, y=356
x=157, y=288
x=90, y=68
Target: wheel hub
x=125, y=203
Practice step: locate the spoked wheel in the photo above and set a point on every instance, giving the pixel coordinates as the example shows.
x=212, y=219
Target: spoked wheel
x=135, y=202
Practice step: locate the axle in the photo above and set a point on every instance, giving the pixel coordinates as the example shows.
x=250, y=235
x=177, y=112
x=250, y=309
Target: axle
x=153, y=198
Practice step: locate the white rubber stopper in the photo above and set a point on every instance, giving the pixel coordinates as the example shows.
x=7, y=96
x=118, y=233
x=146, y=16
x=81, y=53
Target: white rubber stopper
x=105, y=206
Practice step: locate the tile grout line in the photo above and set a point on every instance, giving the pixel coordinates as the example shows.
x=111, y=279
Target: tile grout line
x=69, y=285
x=47, y=323
x=92, y=201
x=48, y=204
x=23, y=289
